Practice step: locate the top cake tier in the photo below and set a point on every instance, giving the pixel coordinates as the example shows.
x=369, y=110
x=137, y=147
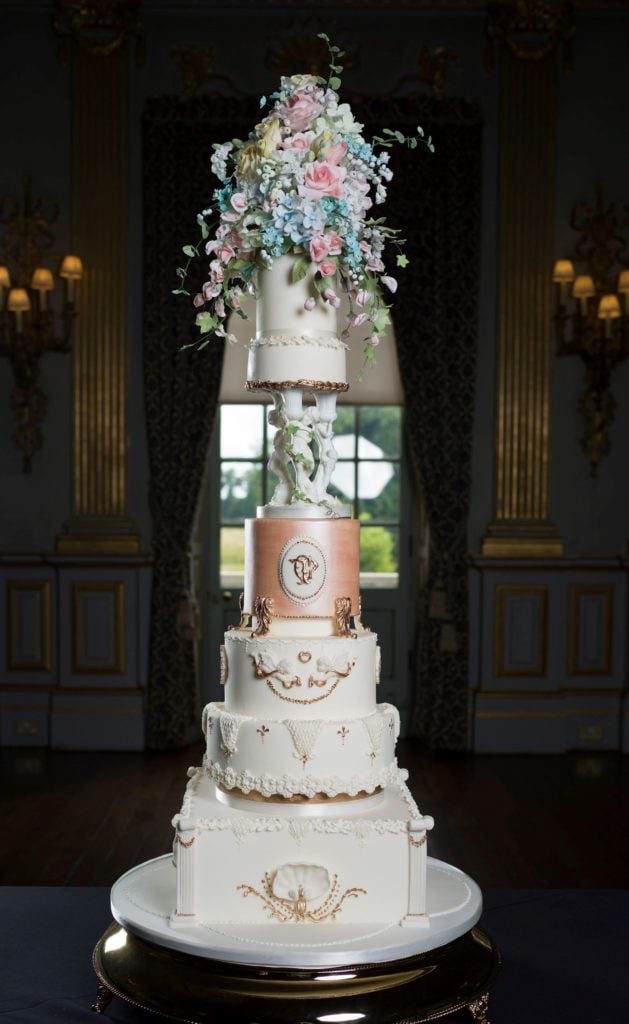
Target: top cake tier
x=302, y=576
x=294, y=346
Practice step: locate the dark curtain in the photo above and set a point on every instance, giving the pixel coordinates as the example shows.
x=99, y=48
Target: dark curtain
x=181, y=386
x=435, y=200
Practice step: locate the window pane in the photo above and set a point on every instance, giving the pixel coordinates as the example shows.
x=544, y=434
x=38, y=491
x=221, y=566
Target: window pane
x=241, y=489
x=379, y=548
x=379, y=490
x=342, y=484
x=380, y=425
x=241, y=431
x=232, y=549
x=345, y=419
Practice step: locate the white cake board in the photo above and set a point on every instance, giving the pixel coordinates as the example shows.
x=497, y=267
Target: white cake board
x=143, y=898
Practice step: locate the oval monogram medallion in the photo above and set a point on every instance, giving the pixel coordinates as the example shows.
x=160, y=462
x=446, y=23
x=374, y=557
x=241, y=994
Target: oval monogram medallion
x=302, y=569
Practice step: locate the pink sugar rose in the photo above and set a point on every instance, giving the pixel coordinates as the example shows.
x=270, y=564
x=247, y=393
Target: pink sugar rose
x=219, y=306
x=375, y=264
x=322, y=179
x=327, y=268
x=334, y=154
x=309, y=304
x=374, y=340
x=239, y=201
x=229, y=216
x=362, y=297
x=334, y=242
x=216, y=270
x=299, y=111
x=300, y=141
x=358, y=320
x=318, y=248
x=198, y=300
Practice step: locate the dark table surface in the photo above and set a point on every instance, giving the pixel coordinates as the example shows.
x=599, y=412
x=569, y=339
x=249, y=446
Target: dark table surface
x=565, y=956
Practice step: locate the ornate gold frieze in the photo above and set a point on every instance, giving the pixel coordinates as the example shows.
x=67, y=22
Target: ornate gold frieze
x=434, y=66
x=195, y=65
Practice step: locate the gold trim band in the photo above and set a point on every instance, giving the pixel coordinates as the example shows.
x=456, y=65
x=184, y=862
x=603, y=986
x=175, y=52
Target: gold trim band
x=312, y=385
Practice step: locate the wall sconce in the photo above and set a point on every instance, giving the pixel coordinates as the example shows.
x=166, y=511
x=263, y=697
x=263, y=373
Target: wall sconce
x=596, y=327
x=27, y=325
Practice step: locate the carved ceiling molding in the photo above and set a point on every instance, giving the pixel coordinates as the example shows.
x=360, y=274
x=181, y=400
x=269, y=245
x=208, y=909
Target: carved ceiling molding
x=529, y=29
x=98, y=28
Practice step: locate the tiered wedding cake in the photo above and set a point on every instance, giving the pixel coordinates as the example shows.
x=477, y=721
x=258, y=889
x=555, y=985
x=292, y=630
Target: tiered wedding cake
x=298, y=842
x=300, y=803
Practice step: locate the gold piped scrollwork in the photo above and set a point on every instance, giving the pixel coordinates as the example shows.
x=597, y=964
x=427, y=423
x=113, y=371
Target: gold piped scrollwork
x=343, y=616
x=297, y=910
x=263, y=611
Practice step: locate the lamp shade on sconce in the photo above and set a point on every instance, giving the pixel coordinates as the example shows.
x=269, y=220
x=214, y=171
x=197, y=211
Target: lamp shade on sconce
x=5, y=277
x=583, y=289
x=42, y=280
x=623, y=287
x=563, y=274
x=18, y=303
x=71, y=268
x=563, y=271
x=609, y=307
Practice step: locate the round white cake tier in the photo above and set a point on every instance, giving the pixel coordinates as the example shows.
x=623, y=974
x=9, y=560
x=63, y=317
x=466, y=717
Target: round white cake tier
x=143, y=898
x=300, y=677
x=293, y=346
x=312, y=757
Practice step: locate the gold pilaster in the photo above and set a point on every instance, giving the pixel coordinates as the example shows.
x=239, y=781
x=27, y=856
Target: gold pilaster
x=99, y=519
x=528, y=90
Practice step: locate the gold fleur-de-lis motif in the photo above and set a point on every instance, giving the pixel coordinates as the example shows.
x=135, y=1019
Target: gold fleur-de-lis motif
x=263, y=731
x=303, y=758
x=343, y=732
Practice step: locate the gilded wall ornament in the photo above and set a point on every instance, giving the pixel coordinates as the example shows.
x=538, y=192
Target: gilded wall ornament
x=98, y=27
x=530, y=29
x=195, y=66
x=300, y=50
x=433, y=68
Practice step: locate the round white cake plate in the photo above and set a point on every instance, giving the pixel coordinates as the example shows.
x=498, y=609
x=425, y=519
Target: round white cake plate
x=142, y=901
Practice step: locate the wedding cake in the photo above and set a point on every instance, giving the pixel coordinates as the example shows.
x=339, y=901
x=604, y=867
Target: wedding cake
x=298, y=841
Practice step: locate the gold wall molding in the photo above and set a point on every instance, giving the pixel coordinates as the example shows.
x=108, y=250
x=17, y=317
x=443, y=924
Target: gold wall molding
x=99, y=522
x=504, y=593
x=16, y=663
x=80, y=663
x=521, y=526
x=605, y=593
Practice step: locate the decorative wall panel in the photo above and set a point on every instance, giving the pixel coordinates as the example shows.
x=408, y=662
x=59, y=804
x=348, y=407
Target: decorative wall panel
x=521, y=627
x=29, y=625
x=590, y=625
x=98, y=627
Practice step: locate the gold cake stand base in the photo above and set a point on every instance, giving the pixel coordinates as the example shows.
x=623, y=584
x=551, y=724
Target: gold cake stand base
x=197, y=990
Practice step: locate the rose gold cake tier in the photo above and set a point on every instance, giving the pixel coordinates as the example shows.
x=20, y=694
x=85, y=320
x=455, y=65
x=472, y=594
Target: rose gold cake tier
x=303, y=565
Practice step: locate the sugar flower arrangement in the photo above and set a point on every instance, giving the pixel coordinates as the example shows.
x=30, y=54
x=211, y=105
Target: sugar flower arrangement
x=300, y=184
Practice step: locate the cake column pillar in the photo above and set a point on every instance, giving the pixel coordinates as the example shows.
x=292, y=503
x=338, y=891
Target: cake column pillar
x=416, y=916
x=184, y=914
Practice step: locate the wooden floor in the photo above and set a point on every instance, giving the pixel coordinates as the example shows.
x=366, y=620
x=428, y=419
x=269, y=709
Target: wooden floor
x=510, y=821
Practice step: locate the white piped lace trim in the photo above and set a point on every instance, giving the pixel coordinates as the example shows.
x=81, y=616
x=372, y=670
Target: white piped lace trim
x=323, y=339
x=306, y=785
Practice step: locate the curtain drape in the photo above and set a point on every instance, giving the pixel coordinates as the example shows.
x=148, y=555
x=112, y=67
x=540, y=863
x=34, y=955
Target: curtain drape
x=435, y=200
x=180, y=386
